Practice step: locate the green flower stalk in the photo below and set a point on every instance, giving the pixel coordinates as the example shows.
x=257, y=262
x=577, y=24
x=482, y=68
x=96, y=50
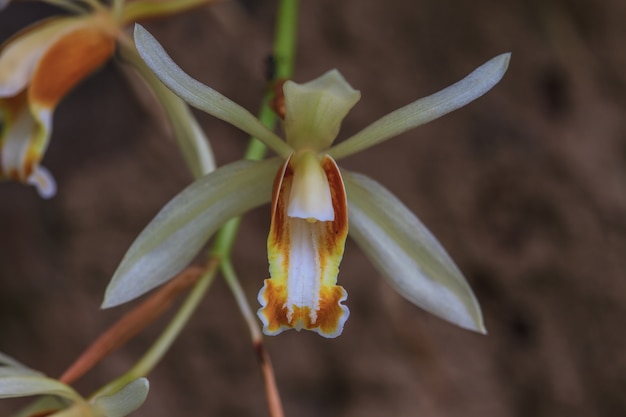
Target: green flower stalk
x=314, y=203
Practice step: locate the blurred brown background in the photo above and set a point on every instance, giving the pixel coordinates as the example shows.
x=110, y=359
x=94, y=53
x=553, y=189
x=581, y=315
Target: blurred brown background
x=526, y=188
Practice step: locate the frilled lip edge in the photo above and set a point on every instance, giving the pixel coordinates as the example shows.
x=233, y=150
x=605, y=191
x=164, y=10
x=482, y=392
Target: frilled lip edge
x=304, y=259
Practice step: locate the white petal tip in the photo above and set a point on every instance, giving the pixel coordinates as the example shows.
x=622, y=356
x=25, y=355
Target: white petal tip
x=498, y=65
x=44, y=182
x=123, y=402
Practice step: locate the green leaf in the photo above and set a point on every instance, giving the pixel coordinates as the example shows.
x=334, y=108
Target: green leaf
x=426, y=109
x=184, y=225
x=202, y=96
x=407, y=254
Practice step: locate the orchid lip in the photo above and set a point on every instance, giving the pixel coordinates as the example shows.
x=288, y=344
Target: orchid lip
x=304, y=259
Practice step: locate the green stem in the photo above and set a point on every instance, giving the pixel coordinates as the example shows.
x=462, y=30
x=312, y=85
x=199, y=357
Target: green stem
x=286, y=36
x=240, y=298
x=284, y=57
x=284, y=51
x=167, y=337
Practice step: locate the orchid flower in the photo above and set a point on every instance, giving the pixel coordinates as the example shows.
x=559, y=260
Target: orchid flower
x=60, y=400
x=42, y=63
x=314, y=202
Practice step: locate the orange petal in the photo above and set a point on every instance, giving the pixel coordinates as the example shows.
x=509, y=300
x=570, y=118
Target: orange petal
x=20, y=53
x=304, y=258
x=70, y=59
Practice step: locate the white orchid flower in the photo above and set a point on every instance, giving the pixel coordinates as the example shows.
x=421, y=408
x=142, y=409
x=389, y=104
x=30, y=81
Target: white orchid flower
x=314, y=203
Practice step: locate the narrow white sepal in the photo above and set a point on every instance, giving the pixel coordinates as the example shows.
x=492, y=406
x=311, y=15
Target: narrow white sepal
x=125, y=401
x=7, y=361
x=407, y=254
x=21, y=385
x=192, y=141
x=184, y=225
x=201, y=96
x=426, y=109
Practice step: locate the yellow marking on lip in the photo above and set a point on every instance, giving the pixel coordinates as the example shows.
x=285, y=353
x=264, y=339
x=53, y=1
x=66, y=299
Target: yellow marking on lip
x=304, y=262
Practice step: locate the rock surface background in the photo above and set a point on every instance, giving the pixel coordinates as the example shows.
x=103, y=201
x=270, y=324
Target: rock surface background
x=526, y=188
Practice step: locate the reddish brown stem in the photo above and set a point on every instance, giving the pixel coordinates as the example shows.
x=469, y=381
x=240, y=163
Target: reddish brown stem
x=131, y=324
x=274, y=404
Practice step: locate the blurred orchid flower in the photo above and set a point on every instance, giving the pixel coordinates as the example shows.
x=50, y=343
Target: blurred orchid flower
x=312, y=200
x=42, y=63
x=17, y=380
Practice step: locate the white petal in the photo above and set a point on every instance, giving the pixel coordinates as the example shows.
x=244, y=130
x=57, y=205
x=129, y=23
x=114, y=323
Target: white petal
x=10, y=367
x=43, y=180
x=202, y=96
x=25, y=385
x=408, y=254
x=23, y=141
x=8, y=361
x=192, y=141
x=125, y=401
x=184, y=225
x=314, y=110
x=426, y=109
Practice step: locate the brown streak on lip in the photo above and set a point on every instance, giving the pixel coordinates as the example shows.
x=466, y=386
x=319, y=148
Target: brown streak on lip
x=337, y=229
x=279, y=228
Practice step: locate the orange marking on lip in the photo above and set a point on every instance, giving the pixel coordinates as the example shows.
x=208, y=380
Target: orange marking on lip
x=276, y=311
x=279, y=235
x=329, y=315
